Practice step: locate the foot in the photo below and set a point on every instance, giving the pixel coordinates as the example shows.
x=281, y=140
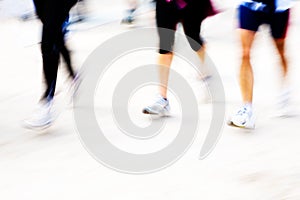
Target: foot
x=75, y=84
x=205, y=83
x=42, y=116
x=283, y=104
x=128, y=20
x=160, y=107
x=72, y=88
x=243, y=118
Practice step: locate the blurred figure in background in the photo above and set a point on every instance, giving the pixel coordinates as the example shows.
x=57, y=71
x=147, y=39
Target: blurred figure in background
x=53, y=14
x=169, y=13
x=29, y=11
x=133, y=5
x=80, y=12
x=252, y=14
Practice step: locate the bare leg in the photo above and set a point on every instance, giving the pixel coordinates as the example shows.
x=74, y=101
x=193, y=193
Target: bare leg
x=201, y=54
x=280, y=45
x=246, y=73
x=164, y=63
x=244, y=118
x=284, y=97
x=204, y=66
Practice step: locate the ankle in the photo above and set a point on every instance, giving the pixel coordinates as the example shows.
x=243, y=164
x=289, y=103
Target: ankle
x=248, y=105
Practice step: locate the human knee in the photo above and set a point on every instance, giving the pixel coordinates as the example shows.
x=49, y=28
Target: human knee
x=246, y=54
x=196, y=43
x=166, y=43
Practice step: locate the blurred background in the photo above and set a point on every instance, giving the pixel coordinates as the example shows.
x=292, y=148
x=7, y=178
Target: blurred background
x=262, y=164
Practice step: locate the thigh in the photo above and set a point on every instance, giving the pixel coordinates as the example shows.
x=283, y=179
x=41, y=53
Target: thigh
x=53, y=17
x=279, y=24
x=167, y=14
x=192, y=18
x=249, y=19
x=167, y=17
x=192, y=28
x=55, y=12
x=247, y=38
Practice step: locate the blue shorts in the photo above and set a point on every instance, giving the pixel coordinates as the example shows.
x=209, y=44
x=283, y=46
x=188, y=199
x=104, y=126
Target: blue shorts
x=251, y=20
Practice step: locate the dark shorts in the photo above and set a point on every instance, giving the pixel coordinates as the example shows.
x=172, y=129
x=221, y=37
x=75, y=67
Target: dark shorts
x=251, y=20
x=168, y=16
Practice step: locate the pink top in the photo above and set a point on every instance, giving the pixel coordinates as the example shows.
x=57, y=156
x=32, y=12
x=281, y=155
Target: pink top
x=181, y=3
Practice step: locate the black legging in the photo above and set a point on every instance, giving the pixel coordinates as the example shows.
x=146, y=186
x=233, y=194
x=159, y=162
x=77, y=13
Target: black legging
x=168, y=15
x=52, y=13
x=66, y=56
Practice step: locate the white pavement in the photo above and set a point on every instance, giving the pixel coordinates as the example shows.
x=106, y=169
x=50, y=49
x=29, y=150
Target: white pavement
x=262, y=164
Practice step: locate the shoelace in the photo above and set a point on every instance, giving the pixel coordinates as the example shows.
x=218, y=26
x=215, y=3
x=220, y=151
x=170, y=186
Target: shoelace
x=243, y=111
x=161, y=101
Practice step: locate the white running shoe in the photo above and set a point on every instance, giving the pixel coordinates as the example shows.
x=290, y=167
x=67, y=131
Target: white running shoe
x=205, y=95
x=161, y=107
x=244, y=118
x=42, y=116
x=284, y=106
